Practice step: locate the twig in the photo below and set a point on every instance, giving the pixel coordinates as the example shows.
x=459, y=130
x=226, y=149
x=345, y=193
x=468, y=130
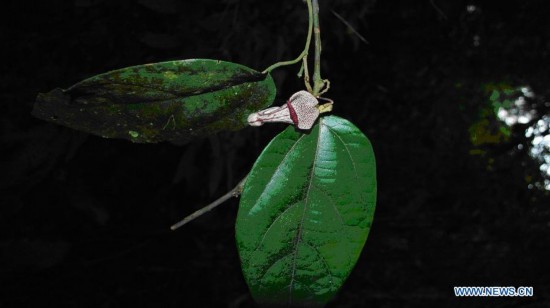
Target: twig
x=235, y=192
x=345, y=22
x=318, y=82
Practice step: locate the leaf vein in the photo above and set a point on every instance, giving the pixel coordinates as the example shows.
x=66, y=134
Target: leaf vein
x=272, y=224
x=347, y=150
x=331, y=276
x=331, y=202
x=277, y=168
x=300, y=226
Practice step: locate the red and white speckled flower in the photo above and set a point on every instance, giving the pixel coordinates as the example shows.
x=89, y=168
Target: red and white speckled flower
x=301, y=110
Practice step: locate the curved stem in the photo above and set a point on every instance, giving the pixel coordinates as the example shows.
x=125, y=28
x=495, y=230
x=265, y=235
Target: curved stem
x=306, y=48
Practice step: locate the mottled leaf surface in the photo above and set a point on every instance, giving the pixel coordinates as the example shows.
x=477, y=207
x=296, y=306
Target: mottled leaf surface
x=305, y=212
x=168, y=101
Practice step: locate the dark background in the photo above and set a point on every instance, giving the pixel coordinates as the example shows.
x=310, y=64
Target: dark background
x=84, y=220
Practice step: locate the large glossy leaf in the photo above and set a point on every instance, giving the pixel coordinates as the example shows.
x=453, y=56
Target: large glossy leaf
x=305, y=212
x=174, y=101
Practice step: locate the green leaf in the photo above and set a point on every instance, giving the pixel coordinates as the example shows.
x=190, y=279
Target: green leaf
x=168, y=101
x=305, y=213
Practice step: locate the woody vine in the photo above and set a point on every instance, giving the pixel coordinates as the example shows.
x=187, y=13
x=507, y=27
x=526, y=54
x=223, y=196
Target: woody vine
x=308, y=202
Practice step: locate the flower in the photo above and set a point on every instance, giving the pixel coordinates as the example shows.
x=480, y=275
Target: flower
x=301, y=110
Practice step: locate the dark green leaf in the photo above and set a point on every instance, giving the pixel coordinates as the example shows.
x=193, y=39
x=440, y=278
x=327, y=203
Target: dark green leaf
x=305, y=212
x=173, y=101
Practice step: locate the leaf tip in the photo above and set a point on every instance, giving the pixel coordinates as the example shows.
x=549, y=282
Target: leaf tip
x=47, y=104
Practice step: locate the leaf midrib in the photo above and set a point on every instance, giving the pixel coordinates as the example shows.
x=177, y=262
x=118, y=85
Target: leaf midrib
x=235, y=81
x=300, y=226
x=175, y=95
